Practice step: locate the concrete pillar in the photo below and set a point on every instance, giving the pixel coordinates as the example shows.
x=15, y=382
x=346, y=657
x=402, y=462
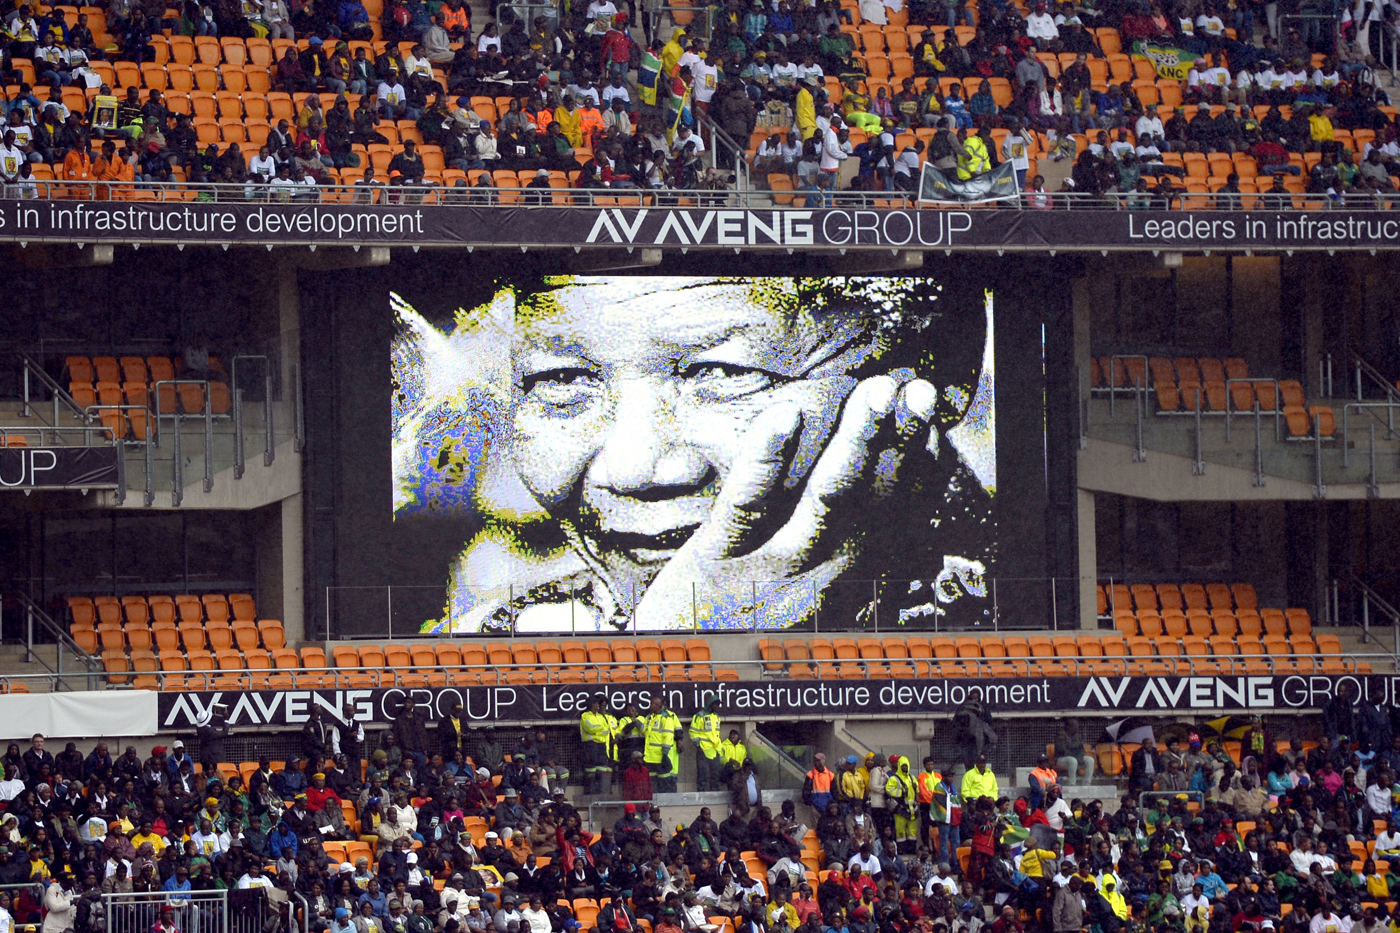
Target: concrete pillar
x=292, y=537
x=1088, y=561
x=293, y=603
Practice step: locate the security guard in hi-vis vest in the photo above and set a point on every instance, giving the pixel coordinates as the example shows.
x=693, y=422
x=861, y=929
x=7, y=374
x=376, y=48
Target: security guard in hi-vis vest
x=628, y=737
x=705, y=736
x=733, y=754
x=662, y=753
x=597, y=729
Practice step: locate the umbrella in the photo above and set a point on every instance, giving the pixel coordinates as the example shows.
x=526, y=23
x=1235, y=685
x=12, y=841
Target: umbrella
x=1230, y=727
x=1130, y=730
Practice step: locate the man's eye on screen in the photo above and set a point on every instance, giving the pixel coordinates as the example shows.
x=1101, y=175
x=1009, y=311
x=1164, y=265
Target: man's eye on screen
x=562, y=386
x=728, y=380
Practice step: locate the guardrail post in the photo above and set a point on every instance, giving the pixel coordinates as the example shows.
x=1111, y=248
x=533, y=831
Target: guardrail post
x=150, y=496
x=177, y=475
x=300, y=441
x=1346, y=429
x=1082, y=405
x=28, y=632
x=1373, y=489
x=121, y=471
x=269, y=452
x=208, y=439
x=26, y=389
x=1319, y=488
x=237, y=433
x=1199, y=467
x=1259, y=479
x=1139, y=403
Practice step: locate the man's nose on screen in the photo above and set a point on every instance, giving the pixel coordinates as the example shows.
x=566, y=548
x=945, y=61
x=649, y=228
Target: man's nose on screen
x=642, y=451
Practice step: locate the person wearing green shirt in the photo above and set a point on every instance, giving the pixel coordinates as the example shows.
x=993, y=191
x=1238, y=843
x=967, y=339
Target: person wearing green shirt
x=1348, y=883
x=1163, y=907
x=979, y=781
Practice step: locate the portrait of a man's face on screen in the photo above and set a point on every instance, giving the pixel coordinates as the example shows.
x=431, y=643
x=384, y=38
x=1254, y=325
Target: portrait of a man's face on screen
x=653, y=454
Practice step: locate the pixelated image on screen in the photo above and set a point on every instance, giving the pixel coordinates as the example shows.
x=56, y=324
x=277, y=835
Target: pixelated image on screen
x=641, y=453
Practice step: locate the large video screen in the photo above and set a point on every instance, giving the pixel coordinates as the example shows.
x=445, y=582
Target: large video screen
x=645, y=453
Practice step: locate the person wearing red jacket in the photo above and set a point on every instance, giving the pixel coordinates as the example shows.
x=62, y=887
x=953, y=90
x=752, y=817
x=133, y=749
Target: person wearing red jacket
x=615, y=51
x=636, y=780
x=318, y=795
x=858, y=882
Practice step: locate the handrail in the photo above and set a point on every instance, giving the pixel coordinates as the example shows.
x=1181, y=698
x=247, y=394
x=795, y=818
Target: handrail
x=48, y=429
x=35, y=613
x=719, y=137
x=1369, y=596
x=1375, y=375
x=59, y=393
x=339, y=676
x=785, y=764
x=131, y=196
x=120, y=444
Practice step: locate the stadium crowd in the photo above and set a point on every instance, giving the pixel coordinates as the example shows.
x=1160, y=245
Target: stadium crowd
x=592, y=107
x=448, y=830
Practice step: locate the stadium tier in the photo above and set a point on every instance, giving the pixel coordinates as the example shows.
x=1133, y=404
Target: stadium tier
x=522, y=112
x=482, y=589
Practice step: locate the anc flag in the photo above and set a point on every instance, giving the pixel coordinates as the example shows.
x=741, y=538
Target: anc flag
x=648, y=72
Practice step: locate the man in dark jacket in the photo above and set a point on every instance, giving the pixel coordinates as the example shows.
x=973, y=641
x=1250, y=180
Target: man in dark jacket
x=1146, y=765
x=411, y=733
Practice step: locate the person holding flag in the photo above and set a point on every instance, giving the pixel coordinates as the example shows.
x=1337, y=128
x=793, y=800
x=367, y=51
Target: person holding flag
x=945, y=815
x=649, y=76
x=926, y=782
x=678, y=114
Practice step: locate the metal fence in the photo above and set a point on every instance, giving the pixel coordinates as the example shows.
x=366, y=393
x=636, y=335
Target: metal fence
x=428, y=195
x=194, y=911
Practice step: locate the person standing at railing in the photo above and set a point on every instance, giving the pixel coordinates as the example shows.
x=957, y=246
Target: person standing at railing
x=705, y=736
x=59, y=902
x=662, y=750
x=598, y=732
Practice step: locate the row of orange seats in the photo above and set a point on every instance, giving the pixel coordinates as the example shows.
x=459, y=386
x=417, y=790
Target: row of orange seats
x=1116, y=596
x=88, y=611
x=421, y=665
x=191, y=636
x=1057, y=655
x=1176, y=624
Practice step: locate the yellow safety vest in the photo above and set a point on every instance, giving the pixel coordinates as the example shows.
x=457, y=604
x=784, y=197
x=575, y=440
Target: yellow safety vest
x=661, y=742
x=619, y=727
x=596, y=727
x=733, y=752
x=704, y=732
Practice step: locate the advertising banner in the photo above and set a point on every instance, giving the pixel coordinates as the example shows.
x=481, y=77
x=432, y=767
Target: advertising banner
x=689, y=228
x=793, y=699
x=58, y=467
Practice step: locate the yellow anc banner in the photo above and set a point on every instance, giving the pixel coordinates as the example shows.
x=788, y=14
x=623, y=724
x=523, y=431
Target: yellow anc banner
x=1170, y=61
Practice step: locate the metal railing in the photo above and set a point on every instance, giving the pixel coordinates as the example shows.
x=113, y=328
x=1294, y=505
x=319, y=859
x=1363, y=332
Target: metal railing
x=721, y=145
x=34, y=370
x=37, y=621
x=1001, y=603
x=269, y=444
x=410, y=676
x=1369, y=598
x=428, y=195
x=154, y=421
x=195, y=911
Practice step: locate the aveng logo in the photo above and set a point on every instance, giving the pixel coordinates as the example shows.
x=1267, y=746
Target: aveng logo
x=779, y=228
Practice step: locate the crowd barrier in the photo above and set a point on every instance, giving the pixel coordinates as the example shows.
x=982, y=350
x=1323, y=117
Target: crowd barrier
x=555, y=197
